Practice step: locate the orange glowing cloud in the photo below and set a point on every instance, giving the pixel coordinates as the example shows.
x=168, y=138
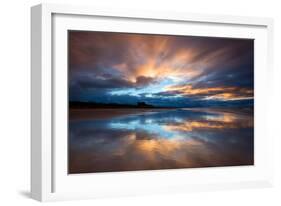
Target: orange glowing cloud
x=164, y=69
x=224, y=93
x=152, y=58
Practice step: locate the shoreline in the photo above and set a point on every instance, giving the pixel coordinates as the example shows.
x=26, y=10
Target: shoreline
x=106, y=113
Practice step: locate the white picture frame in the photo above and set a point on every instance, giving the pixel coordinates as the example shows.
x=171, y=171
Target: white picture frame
x=49, y=180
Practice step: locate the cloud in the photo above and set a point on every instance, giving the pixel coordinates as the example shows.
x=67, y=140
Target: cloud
x=108, y=83
x=142, y=80
x=88, y=81
x=196, y=67
x=224, y=93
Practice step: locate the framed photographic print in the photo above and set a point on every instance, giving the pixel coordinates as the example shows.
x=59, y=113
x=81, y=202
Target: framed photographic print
x=134, y=102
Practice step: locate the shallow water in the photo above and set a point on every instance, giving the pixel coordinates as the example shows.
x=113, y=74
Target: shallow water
x=104, y=140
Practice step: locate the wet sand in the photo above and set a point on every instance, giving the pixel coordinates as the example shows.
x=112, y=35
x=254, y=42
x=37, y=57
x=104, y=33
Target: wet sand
x=95, y=114
x=113, y=140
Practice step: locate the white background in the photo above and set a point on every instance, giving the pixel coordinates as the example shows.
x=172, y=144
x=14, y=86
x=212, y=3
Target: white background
x=15, y=102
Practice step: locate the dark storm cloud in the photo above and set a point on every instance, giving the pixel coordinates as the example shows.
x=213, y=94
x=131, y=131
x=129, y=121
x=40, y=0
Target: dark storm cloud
x=142, y=80
x=88, y=82
x=106, y=82
x=234, y=67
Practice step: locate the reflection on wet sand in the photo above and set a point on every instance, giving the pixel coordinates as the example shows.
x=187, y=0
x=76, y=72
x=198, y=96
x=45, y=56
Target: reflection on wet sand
x=159, y=139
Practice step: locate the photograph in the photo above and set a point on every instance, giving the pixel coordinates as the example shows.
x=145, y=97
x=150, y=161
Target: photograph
x=139, y=101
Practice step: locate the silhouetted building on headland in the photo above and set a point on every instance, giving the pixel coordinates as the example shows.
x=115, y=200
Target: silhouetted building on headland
x=89, y=105
x=143, y=104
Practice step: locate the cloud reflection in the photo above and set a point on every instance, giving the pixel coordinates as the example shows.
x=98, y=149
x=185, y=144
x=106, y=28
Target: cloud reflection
x=163, y=139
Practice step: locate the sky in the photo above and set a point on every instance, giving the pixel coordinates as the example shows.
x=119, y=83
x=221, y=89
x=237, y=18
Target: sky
x=161, y=70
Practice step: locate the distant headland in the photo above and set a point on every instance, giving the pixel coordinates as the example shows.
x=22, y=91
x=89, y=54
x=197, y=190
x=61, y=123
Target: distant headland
x=92, y=105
